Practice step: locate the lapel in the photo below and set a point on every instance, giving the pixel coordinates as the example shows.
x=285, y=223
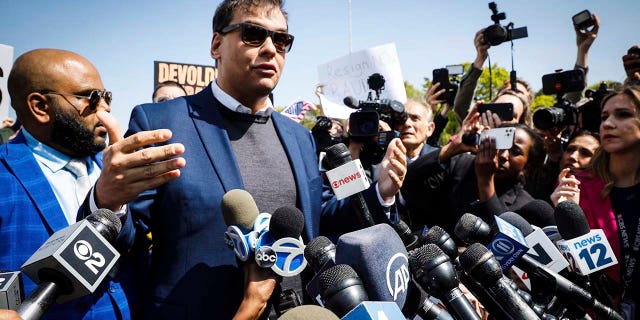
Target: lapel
x=203, y=110
x=21, y=162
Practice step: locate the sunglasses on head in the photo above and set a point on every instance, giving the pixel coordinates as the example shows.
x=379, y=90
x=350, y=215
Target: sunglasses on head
x=255, y=36
x=93, y=97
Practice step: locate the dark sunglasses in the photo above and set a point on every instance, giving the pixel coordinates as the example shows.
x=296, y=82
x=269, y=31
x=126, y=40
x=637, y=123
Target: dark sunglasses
x=93, y=97
x=255, y=36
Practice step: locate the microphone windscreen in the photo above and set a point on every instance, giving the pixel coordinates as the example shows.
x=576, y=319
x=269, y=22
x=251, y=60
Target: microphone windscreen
x=379, y=257
x=239, y=209
x=538, y=212
x=107, y=218
x=475, y=256
x=351, y=102
x=571, y=220
x=337, y=155
x=433, y=235
x=420, y=256
x=307, y=312
x=334, y=276
x=286, y=222
x=517, y=221
x=317, y=248
x=471, y=228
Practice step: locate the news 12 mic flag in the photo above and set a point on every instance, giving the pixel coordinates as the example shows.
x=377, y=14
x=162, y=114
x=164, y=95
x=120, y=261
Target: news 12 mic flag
x=297, y=110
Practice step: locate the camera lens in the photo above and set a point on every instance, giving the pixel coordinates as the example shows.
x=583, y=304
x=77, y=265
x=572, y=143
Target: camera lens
x=495, y=34
x=548, y=118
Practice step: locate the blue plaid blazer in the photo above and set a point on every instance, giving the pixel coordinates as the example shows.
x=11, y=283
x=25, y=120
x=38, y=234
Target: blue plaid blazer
x=29, y=214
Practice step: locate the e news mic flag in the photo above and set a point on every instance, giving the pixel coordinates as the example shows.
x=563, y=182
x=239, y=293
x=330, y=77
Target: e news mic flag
x=297, y=110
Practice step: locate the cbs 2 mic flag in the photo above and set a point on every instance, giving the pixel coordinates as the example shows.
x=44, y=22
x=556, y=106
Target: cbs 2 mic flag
x=296, y=110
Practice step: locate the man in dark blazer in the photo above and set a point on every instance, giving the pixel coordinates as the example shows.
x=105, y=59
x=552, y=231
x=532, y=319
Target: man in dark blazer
x=60, y=100
x=234, y=140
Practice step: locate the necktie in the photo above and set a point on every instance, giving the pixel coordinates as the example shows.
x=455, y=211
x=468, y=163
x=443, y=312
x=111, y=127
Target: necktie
x=83, y=184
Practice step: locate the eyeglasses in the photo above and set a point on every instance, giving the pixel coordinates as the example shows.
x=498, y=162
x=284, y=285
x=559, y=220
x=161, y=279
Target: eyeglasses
x=255, y=36
x=93, y=97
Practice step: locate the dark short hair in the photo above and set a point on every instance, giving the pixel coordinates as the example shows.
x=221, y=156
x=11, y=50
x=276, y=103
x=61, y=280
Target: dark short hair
x=224, y=12
x=537, y=154
x=168, y=83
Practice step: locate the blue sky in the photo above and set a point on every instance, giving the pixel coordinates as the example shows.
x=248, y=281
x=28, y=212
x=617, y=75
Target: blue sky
x=123, y=38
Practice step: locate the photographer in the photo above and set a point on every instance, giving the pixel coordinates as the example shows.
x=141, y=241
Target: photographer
x=470, y=79
x=441, y=186
x=631, y=62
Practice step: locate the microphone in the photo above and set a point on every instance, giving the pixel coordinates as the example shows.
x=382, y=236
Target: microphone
x=505, y=241
x=379, y=257
x=306, y=312
x=481, y=266
x=587, y=250
x=280, y=247
x=320, y=254
x=351, y=102
x=443, y=240
x=347, y=179
x=435, y=273
x=343, y=293
x=341, y=289
x=541, y=249
x=580, y=248
x=240, y=213
x=11, y=290
x=473, y=229
x=72, y=263
x=537, y=212
x=410, y=240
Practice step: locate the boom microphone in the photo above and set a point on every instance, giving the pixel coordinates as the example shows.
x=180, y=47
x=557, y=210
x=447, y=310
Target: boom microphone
x=72, y=263
x=435, y=273
x=348, y=179
x=482, y=267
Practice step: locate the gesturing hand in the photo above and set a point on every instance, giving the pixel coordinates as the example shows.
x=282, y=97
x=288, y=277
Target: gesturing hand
x=392, y=170
x=128, y=170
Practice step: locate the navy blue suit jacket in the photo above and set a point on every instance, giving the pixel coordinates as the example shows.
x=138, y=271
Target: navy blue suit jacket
x=29, y=215
x=193, y=273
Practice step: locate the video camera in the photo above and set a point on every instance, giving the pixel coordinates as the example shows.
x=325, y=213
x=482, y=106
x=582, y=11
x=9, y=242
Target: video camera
x=363, y=124
x=496, y=34
x=563, y=113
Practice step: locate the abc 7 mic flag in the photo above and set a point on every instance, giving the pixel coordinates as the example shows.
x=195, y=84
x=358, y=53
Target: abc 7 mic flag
x=244, y=244
x=284, y=256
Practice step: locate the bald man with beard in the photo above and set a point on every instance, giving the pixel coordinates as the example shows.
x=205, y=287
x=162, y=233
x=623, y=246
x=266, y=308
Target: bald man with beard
x=61, y=102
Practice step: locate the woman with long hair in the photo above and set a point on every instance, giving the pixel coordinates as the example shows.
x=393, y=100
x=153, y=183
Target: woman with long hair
x=610, y=192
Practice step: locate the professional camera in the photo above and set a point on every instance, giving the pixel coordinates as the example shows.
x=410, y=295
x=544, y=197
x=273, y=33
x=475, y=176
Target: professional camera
x=496, y=34
x=563, y=113
x=321, y=134
x=363, y=124
x=590, y=110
